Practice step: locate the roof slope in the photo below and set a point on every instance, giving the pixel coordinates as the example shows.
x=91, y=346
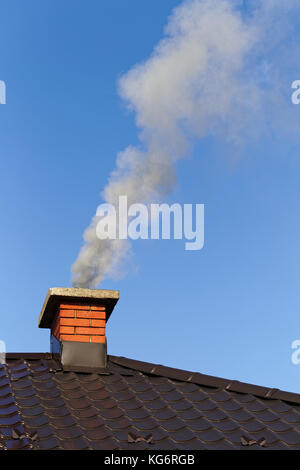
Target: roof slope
x=138, y=406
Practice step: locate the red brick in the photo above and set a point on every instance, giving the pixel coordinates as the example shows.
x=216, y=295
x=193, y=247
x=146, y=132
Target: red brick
x=80, y=338
x=98, y=339
x=90, y=331
x=98, y=323
x=74, y=322
x=83, y=323
x=68, y=330
x=74, y=307
x=67, y=313
x=94, y=315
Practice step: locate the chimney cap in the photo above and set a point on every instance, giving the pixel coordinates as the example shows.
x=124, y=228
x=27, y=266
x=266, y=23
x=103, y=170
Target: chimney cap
x=57, y=295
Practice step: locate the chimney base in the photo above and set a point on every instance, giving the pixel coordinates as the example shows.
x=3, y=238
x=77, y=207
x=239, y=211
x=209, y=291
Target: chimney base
x=84, y=357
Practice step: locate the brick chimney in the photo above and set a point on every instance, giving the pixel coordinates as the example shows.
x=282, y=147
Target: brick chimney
x=77, y=320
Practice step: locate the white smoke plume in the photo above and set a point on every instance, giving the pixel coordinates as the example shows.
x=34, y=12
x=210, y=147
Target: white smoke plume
x=212, y=73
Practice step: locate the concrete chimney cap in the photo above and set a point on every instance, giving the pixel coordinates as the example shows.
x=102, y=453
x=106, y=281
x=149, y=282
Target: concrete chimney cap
x=57, y=295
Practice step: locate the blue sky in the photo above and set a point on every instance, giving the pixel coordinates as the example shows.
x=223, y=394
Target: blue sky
x=231, y=309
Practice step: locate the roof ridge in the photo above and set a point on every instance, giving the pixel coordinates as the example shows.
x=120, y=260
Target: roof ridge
x=206, y=380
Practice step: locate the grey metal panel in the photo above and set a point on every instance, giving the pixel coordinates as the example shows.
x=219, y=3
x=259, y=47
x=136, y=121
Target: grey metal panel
x=81, y=357
x=55, y=346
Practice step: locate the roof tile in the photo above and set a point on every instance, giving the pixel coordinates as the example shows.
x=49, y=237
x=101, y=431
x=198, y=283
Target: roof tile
x=49, y=443
x=290, y=437
x=78, y=443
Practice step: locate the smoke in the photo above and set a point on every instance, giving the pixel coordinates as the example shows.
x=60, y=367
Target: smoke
x=211, y=74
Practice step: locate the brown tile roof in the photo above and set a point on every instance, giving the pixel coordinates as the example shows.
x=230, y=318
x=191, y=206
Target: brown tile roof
x=138, y=406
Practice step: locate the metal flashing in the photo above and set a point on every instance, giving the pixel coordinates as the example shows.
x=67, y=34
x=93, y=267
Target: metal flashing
x=83, y=357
